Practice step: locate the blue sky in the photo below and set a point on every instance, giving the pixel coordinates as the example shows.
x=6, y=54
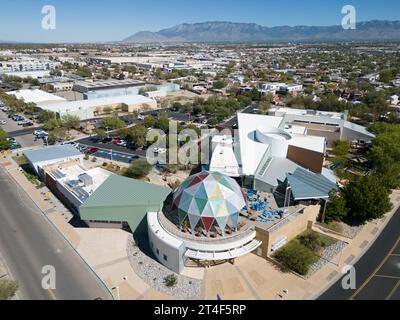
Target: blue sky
x=106, y=20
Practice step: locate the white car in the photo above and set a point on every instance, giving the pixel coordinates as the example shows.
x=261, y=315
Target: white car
x=140, y=117
x=3, y=122
x=122, y=143
x=40, y=133
x=160, y=150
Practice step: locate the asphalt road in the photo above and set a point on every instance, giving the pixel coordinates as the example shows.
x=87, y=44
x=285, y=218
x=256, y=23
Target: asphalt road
x=29, y=242
x=377, y=272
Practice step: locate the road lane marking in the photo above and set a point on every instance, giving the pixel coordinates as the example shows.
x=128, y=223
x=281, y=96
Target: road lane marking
x=388, y=277
x=390, y=295
x=376, y=271
x=52, y=294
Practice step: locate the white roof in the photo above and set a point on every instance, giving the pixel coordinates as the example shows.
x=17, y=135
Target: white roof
x=92, y=103
x=65, y=175
x=36, y=96
x=224, y=160
x=251, y=151
x=313, y=143
x=304, y=112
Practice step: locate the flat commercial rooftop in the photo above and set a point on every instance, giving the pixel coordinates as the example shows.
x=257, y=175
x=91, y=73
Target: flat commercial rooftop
x=69, y=177
x=51, y=153
x=36, y=96
x=313, y=143
x=83, y=104
x=304, y=112
x=108, y=84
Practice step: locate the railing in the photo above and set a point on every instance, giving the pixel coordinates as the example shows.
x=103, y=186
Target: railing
x=285, y=220
x=174, y=230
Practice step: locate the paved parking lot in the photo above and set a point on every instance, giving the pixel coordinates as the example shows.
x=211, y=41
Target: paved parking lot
x=115, y=156
x=384, y=283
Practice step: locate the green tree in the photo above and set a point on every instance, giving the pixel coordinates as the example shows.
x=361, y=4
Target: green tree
x=70, y=122
x=341, y=148
x=220, y=84
x=149, y=122
x=367, y=198
x=336, y=209
x=138, y=170
x=45, y=116
x=139, y=134
x=4, y=142
x=112, y=123
x=101, y=133
x=51, y=124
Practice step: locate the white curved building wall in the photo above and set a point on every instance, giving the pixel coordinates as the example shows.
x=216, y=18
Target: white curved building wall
x=169, y=250
x=278, y=140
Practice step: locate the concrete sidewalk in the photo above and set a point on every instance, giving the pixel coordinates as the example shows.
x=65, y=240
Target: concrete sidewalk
x=253, y=277
x=103, y=249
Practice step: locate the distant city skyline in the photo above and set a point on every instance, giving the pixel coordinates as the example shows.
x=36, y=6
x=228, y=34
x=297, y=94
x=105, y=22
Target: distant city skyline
x=103, y=21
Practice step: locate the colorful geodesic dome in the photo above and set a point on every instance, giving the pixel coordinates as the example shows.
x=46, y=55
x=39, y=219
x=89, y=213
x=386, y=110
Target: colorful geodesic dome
x=209, y=197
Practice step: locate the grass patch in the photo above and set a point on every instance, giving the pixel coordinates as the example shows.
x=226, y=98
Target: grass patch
x=20, y=160
x=33, y=179
x=303, y=251
x=334, y=226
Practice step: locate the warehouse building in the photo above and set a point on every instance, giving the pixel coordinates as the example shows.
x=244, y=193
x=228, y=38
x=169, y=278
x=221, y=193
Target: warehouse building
x=36, y=96
x=88, y=109
x=85, y=86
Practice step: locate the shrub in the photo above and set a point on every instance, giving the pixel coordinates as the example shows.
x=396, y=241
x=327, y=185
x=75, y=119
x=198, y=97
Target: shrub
x=139, y=169
x=171, y=280
x=8, y=289
x=315, y=241
x=296, y=257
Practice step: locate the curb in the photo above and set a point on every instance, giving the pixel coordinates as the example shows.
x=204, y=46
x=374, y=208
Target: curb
x=63, y=237
x=381, y=229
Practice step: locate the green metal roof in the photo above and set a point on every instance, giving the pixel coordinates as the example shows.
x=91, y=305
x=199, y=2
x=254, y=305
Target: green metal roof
x=119, y=191
x=124, y=199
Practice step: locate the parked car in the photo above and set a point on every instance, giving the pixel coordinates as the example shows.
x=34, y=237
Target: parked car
x=70, y=143
x=140, y=117
x=27, y=124
x=82, y=149
x=40, y=132
x=3, y=122
x=93, y=150
x=122, y=143
x=160, y=150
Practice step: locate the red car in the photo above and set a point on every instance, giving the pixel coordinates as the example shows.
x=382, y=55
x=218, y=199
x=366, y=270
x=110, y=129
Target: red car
x=117, y=141
x=93, y=150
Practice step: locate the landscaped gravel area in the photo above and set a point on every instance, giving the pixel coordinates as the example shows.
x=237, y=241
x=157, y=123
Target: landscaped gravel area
x=327, y=255
x=352, y=231
x=153, y=273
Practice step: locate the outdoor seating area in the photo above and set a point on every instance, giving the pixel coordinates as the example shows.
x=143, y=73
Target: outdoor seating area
x=260, y=208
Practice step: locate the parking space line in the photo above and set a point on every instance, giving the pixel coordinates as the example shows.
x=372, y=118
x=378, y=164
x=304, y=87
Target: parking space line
x=376, y=270
x=390, y=295
x=388, y=277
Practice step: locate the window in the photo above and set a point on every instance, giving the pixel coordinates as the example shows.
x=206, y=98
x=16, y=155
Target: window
x=165, y=258
x=158, y=251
